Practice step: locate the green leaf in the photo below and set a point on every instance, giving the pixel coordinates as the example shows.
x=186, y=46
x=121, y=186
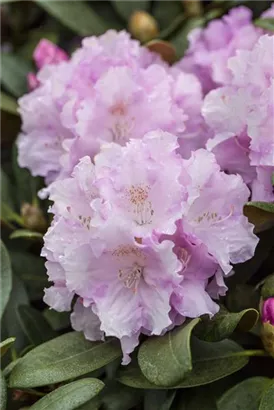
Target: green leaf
x=18, y=297
x=8, y=215
x=26, y=234
x=267, y=401
x=31, y=269
x=8, y=104
x=265, y=23
x=57, y=320
x=6, y=189
x=6, y=278
x=158, y=399
x=260, y=214
x=68, y=356
x=14, y=74
x=224, y=323
x=34, y=325
x=6, y=344
x=245, y=395
x=211, y=362
x=194, y=399
x=118, y=397
x=242, y=297
x=166, y=12
x=164, y=360
x=3, y=391
x=126, y=8
x=267, y=290
x=70, y=396
x=76, y=15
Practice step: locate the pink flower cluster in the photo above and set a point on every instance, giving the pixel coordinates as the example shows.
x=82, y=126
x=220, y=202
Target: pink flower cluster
x=148, y=167
x=143, y=238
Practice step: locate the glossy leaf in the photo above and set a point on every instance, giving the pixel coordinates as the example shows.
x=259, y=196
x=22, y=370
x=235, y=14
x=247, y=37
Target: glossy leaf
x=223, y=324
x=34, y=325
x=211, y=362
x=165, y=360
x=14, y=74
x=70, y=396
x=265, y=23
x=6, y=344
x=245, y=395
x=76, y=15
x=8, y=104
x=126, y=8
x=3, y=391
x=26, y=234
x=267, y=401
x=68, y=356
x=261, y=214
x=6, y=278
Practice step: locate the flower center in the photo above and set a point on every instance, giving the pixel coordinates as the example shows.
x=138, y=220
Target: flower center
x=131, y=276
x=140, y=205
x=122, y=124
x=184, y=257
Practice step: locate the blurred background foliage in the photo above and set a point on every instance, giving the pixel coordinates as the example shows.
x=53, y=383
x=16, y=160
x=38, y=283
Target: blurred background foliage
x=24, y=217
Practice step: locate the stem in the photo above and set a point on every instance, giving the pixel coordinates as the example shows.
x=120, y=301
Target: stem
x=251, y=353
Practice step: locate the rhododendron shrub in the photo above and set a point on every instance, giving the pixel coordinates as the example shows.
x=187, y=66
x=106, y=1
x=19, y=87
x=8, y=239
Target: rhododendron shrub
x=137, y=205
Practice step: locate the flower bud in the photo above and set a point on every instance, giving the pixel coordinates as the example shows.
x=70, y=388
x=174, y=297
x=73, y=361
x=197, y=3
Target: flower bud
x=143, y=26
x=47, y=52
x=33, y=218
x=33, y=82
x=267, y=333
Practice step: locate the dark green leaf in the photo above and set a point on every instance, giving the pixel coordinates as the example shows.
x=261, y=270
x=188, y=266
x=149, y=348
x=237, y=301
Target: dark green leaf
x=6, y=344
x=14, y=74
x=34, y=325
x=18, y=297
x=265, y=23
x=194, y=399
x=267, y=402
x=57, y=320
x=242, y=297
x=70, y=396
x=245, y=395
x=158, y=399
x=76, y=15
x=224, y=323
x=31, y=269
x=211, y=362
x=26, y=234
x=261, y=214
x=8, y=215
x=8, y=104
x=118, y=397
x=3, y=391
x=6, y=278
x=6, y=189
x=126, y=8
x=268, y=287
x=166, y=12
x=68, y=356
x=164, y=360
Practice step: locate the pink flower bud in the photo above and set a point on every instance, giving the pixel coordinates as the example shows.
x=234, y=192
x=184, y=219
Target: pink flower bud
x=268, y=311
x=48, y=53
x=32, y=81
